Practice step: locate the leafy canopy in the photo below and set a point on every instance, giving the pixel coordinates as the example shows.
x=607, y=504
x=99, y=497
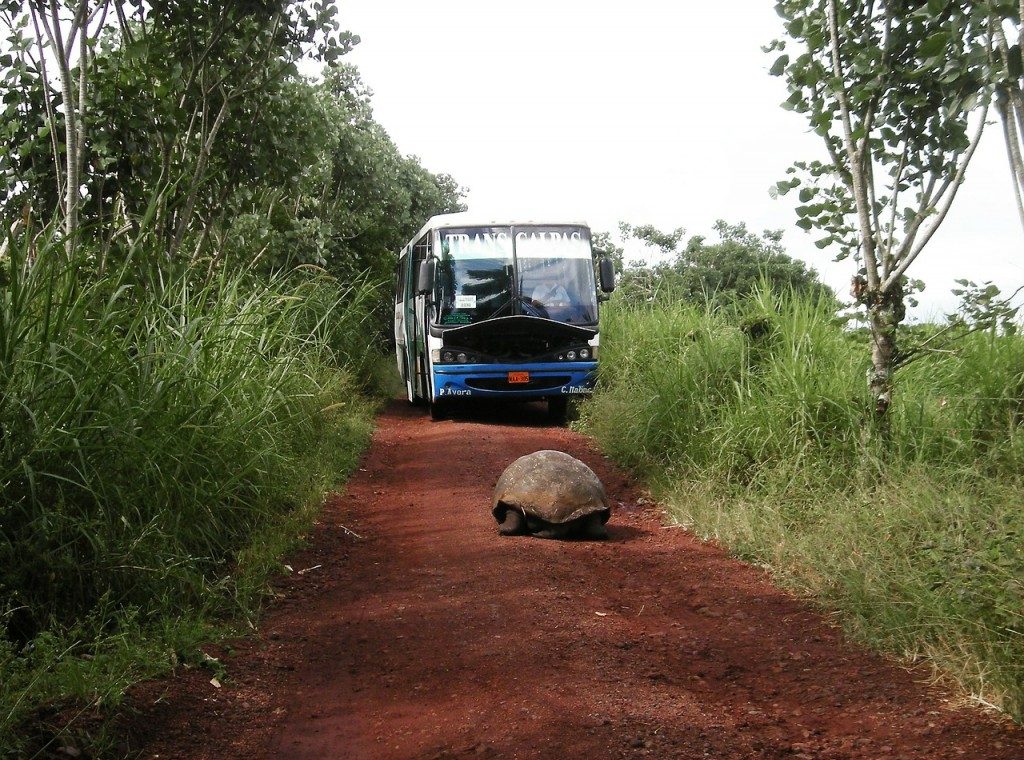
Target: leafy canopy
x=717, y=272
x=889, y=87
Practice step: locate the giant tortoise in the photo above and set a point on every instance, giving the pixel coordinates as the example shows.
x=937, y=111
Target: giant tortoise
x=550, y=495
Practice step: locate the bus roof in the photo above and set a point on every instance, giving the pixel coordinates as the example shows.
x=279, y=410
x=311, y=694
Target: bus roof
x=470, y=219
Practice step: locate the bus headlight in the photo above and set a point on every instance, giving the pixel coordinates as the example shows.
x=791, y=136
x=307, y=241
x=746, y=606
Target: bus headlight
x=448, y=356
x=584, y=353
x=463, y=358
x=570, y=355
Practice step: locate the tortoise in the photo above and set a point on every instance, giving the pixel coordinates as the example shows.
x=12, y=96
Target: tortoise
x=551, y=495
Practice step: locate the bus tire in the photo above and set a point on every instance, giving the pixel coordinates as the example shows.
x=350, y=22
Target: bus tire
x=558, y=409
x=439, y=409
x=420, y=379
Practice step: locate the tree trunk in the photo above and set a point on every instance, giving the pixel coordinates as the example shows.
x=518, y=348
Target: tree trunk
x=1010, y=105
x=73, y=93
x=197, y=177
x=885, y=312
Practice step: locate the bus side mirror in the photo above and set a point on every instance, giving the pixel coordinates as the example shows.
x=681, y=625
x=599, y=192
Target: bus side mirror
x=425, y=277
x=607, y=269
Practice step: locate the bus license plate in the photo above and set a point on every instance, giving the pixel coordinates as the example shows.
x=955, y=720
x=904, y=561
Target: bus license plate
x=518, y=377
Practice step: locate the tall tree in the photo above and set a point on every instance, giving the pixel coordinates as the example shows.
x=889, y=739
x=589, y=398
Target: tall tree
x=45, y=34
x=890, y=88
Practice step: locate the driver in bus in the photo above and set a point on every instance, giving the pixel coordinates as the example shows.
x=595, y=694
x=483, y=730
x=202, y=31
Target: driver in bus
x=550, y=292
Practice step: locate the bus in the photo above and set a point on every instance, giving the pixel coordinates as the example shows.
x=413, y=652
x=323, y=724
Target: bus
x=494, y=308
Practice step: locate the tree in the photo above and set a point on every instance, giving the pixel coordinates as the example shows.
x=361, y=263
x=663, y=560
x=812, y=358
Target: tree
x=141, y=87
x=889, y=87
x=62, y=35
x=351, y=199
x=702, y=272
x=203, y=142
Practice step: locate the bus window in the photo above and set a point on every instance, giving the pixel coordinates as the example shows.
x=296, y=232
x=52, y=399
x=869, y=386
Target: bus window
x=556, y=274
x=401, y=268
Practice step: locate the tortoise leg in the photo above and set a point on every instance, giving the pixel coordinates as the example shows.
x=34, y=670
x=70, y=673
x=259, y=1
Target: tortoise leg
x=514, y=524
x=552, y=530
x=549, y=533
x=592, y=528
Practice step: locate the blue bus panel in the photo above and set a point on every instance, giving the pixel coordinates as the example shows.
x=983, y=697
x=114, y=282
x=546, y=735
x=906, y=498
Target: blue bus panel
x=492, y=380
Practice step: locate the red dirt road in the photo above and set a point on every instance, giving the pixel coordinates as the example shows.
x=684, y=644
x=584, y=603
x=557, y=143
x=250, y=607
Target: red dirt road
x=420, y=633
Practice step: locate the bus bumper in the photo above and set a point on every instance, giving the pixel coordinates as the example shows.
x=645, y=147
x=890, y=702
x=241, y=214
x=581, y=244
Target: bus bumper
x=491, y=380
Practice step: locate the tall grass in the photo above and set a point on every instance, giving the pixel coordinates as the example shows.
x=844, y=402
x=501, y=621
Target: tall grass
x=154, y=433
x=752, y=422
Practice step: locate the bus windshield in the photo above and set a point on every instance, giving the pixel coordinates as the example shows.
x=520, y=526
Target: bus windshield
x=555, y=278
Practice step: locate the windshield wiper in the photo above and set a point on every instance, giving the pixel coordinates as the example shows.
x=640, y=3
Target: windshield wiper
x=533, y=310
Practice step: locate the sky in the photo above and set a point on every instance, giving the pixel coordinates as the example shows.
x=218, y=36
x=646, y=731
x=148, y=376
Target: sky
x=645, y=112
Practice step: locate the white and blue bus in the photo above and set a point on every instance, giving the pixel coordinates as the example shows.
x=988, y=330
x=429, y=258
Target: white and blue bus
x=498, y=309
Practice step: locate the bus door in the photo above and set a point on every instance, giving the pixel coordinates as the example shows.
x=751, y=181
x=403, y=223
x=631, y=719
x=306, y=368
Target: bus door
x=401, y=344
x=416, y=319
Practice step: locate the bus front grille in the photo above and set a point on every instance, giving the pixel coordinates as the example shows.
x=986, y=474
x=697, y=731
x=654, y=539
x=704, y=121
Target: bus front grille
x=502, y=383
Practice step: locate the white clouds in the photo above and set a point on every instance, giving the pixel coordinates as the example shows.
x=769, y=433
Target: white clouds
x=647, y=112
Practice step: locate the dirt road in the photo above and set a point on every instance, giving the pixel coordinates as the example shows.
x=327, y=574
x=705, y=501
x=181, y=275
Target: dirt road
x=415, y=631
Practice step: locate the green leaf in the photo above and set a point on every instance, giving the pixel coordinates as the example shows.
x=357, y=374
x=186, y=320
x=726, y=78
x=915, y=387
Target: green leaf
x=137, y=50
x=779, y=66
x=934, y=45
x=970, y=101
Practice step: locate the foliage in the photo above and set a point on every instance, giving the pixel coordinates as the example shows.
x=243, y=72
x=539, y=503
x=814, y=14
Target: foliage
x=985, y=307
x=202, y=134
x=187, y=338
x=755, y=437
x=700, y=272
x=886, y=115
x=229, y=52
x=151, y=432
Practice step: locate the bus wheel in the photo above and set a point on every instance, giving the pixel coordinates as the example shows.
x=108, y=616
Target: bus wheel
x=439, y=409
x=558, y=409
x=420, y=379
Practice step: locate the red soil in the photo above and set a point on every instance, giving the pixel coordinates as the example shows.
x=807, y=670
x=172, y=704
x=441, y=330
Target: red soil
x=418, y=632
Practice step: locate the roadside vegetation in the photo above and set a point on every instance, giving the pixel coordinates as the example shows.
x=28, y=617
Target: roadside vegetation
x=896, y=501
x=161, y=448
x=195, y=245
x=751, y=419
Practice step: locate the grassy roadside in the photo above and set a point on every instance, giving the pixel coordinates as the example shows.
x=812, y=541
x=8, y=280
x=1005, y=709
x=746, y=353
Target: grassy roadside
x=749, y=425
x=74, y=678
x=162, y=444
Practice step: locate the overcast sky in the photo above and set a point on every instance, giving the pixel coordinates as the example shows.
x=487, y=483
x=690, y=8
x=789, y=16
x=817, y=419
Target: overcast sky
x=645, y=112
